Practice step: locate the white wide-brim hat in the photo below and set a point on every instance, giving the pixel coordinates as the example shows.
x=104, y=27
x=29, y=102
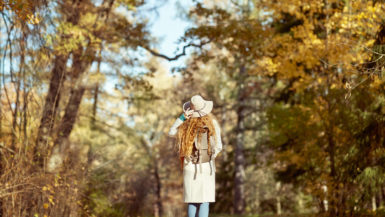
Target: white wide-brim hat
x=201, y=107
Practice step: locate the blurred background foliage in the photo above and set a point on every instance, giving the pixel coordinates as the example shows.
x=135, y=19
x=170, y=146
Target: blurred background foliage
x=86, y=103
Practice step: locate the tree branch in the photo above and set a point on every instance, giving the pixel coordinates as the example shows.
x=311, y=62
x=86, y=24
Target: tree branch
x=176, y=57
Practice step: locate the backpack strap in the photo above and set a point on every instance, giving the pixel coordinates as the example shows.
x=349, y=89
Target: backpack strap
x=211, y=169
x=196, y=142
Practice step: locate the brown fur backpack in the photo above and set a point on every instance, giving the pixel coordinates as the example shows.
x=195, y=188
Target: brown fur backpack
x=202, y=152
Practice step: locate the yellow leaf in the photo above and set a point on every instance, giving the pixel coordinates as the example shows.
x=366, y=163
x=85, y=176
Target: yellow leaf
x=369, y=42
x=50, y=199
x=45, y=205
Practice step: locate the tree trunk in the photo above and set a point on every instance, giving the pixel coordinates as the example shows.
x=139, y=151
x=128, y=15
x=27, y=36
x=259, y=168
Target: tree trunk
x=25, y=107
x=16, y=110
x=334, y=190
x=158, y=207
x=278, y=189
x=96, y=94
x=239, y=158
x=94, y=107
x=153, y=166
x=50, y=107
x=374, y=205
x=69, y=119
x=325, y=202
x=380, y=198
x=81, y=63
x=40, y=150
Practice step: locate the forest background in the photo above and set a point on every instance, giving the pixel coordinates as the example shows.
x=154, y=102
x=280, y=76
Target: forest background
x=86, y=102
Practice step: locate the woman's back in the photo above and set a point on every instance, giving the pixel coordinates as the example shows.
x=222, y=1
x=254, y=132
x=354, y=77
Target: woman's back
x=197, y=131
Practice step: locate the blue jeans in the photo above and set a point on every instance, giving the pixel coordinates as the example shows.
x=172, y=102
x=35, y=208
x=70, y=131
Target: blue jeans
x=198, y=209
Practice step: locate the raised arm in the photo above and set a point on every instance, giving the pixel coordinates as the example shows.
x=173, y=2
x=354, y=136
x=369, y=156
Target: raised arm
x=174, y=128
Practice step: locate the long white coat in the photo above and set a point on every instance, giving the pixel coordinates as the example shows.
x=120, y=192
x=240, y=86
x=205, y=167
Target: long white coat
x=202, y=188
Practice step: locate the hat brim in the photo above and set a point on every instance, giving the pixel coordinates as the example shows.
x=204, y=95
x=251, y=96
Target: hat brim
x=199, y=113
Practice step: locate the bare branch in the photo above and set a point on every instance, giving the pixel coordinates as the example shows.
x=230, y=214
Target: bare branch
x=176, y=57
x=6, y=148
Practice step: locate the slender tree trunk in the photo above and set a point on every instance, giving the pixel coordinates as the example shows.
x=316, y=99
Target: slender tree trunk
x=331, y=153
x=329, y=126
x=94, y=107
x=239, y=195
x=81, y=63
x=17, y=102
x=334, y=190
x=1, y=112
x=380, y=198
x=325, y=202
x=153, y=166
x=96, y=94
x=1, y=136
x=69, y=119
x=41, y=149
x=50, y=107
x=278, y=189
x=25, y=108
x=374, y=205
x=158, y=206
x=300, y=203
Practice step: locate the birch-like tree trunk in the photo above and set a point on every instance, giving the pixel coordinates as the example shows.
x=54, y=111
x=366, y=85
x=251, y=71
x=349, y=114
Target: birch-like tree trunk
x=81, y=64
x=239, y=157
x=58, y=75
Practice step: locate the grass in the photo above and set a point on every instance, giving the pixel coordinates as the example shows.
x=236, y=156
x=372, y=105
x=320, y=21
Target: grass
x=379, y=213
x=263, y=215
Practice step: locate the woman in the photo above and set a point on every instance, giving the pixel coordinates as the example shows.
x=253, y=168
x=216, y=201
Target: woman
x=197, y=132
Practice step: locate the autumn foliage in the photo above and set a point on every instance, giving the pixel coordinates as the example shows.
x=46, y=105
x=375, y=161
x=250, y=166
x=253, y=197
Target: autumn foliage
x=85, y=106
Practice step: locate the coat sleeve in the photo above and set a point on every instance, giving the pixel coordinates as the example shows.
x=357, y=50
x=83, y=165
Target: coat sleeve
x=218, y=146
x=174, y=128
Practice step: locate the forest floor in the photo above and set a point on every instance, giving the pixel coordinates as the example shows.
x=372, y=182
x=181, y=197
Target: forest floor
x=264, y=215
x=371, y=214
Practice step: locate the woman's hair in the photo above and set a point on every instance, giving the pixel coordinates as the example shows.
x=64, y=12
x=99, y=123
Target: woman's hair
x=190, y=128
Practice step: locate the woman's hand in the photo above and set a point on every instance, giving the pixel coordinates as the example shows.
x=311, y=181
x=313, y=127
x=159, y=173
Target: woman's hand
x=188, y=113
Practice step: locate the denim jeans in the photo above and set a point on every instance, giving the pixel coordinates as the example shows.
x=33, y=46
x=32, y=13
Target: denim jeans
x=198, y=209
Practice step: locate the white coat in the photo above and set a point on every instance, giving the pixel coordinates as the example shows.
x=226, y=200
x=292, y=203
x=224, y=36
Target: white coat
x=202, y=188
